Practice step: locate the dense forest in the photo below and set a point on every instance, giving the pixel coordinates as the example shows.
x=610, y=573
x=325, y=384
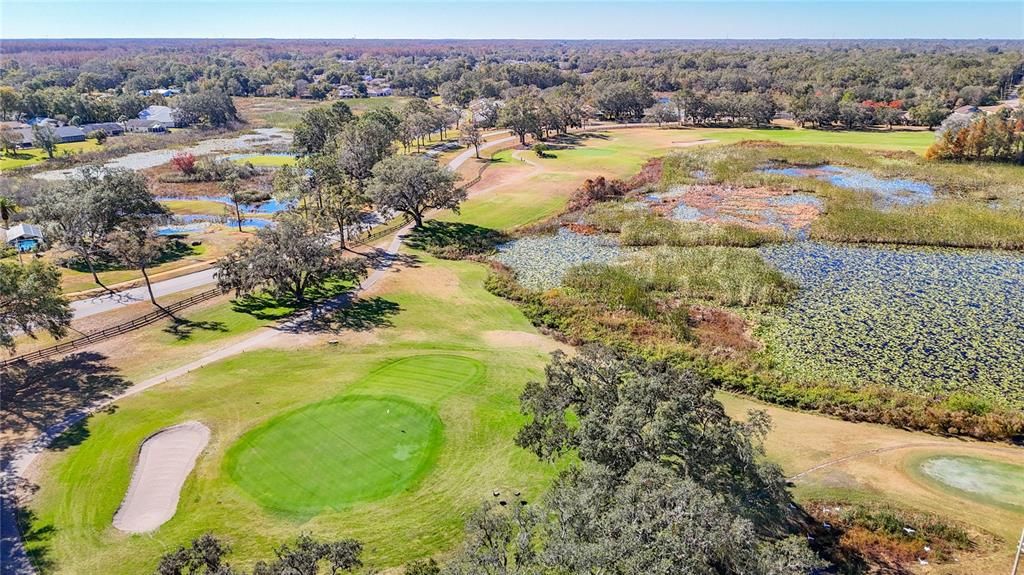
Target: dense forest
x=851, y=84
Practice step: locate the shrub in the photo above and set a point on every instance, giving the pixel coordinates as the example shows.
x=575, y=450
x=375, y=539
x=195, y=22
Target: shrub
x=185, y=163
x=453, y=241
x=595, y=190
x=99, y=135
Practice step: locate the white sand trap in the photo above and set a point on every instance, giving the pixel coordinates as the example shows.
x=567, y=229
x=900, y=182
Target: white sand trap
x=693, y=143
x=165, y=460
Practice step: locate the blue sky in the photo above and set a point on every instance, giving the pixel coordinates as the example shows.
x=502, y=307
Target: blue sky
x=567, y=19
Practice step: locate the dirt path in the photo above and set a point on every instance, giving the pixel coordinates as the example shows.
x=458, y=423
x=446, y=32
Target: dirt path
x=867, y=452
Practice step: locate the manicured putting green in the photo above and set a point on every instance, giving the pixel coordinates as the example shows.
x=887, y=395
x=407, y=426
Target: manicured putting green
x=1001, y=484
x=377, y=440
x=331, y=454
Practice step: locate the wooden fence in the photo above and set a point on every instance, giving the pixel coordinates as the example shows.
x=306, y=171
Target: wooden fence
x=113, y=331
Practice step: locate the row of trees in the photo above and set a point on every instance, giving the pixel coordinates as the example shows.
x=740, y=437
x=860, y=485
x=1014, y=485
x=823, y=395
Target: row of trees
x=980, y=137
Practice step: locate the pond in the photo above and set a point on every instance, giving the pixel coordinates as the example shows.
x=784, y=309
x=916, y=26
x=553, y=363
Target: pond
x=982, y=479
x=270, y=206
x=193, y=223
x=888, y=191
x=540, y=262
x=921, y=319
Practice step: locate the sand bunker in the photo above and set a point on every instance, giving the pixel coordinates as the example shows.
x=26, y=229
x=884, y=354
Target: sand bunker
x=165, y=460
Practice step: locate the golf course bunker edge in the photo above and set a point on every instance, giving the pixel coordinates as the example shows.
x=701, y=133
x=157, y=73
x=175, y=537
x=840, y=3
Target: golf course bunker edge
x=165, y=460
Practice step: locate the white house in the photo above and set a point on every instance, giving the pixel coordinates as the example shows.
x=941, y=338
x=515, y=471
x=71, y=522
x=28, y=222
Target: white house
x=162, y=114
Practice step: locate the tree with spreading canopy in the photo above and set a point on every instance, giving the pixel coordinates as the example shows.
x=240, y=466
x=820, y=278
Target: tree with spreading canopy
x=45, y=138
x=289, y=259
x=521, y=116
x=472, y=136
x=318, y=127
x=31, y=299
x=80, y=214
x=414, y=184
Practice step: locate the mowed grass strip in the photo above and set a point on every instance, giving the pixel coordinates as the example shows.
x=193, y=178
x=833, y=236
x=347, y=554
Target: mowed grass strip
x=424, y=378
x=332, y=454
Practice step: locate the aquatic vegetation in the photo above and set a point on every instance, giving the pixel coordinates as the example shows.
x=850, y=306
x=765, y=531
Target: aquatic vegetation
x=724, y=275
x=638, y=225
x=918, y=319
x=539, y=262
x=759, y=207
x=889, y=191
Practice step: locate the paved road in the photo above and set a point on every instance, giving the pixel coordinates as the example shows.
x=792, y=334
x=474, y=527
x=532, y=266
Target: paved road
x=108, y=302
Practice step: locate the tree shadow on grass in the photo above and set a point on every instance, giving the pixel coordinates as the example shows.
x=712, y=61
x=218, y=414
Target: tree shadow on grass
x=183, y=329
x=366, y=314
x=36, y=536
x=454, y=240
x=38, y=395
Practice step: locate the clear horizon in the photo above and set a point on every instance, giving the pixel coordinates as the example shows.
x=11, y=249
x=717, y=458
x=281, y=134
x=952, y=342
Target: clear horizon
x=524, y=20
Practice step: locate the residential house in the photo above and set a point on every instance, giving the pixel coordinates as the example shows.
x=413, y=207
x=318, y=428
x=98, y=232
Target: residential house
x=25, y=237
x=346, y=91
x=967, y=110
x=163, y=114
x=67, y=134
x=13, y=125
x=165, y=92
x=111, y=128
x=21, y=136
x=145, y=126
x=379, y=92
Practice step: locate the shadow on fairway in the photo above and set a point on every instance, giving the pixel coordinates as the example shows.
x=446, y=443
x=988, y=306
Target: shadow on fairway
x=366, y=314
x=41, y=394
x=182, y=329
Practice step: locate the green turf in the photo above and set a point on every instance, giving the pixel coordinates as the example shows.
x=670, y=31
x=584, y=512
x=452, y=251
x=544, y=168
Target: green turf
x=268, y=160
x=332, y=454
x=982, y=480
x=30, y=156
x=82, y=486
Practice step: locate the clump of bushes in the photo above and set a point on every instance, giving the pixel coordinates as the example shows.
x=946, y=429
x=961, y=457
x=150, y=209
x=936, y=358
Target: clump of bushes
x=595, y=190
x=637, y=226
x=191, y=169
x=885, y=535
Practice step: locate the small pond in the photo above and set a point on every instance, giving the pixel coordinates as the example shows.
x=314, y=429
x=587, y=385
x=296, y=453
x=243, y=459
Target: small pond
x=888, y=191
x=540, y=262
x=270, y=206
x=983, y=479
x=922, y=319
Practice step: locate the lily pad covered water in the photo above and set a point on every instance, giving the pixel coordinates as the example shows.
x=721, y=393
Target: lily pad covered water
x=913, y=318
x=889, y=191
x=540, y=262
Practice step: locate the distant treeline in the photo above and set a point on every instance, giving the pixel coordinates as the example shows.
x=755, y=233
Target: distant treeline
x=821, y=83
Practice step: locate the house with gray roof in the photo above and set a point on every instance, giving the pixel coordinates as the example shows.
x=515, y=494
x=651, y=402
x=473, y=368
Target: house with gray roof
x=163, y=114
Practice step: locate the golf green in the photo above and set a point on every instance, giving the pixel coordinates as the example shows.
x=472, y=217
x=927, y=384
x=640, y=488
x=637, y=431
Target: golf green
x=993, y=482
x=331, y=454
x=374, y=441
